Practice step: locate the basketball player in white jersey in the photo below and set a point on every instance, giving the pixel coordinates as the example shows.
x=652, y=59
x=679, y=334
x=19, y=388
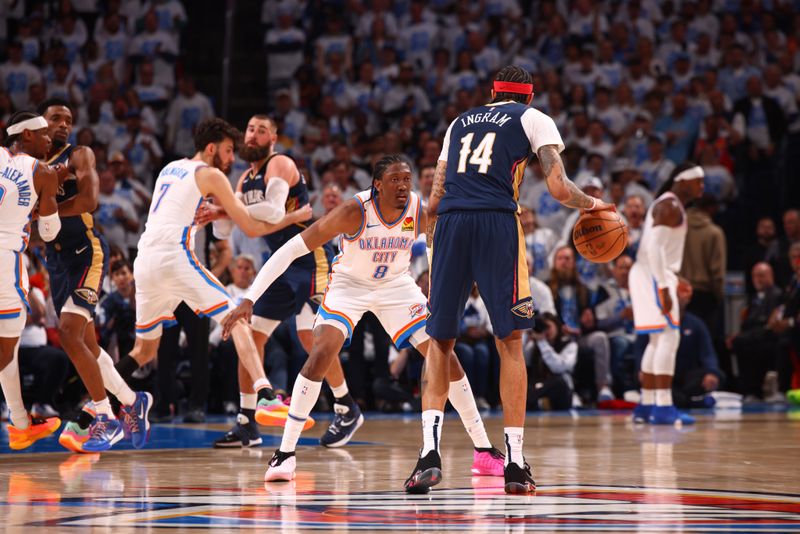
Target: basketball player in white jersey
x=653, y=283
x=167, y=271
x=23, y=183
x=378, y=228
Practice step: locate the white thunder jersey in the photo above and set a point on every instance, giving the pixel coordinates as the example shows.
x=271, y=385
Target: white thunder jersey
x=17, y=199
x=381, y=250
x=176, y=198
x=672, y=248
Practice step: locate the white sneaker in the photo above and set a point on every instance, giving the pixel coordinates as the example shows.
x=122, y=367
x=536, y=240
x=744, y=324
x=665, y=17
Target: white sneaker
x=281, y=467
x=605, y=394
x=44, y=411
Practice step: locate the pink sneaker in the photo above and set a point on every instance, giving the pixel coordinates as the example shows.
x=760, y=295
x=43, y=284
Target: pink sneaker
x=488, y=462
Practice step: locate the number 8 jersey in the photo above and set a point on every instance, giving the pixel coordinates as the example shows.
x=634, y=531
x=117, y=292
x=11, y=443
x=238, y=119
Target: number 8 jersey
x=487, y=149
x=380, y=250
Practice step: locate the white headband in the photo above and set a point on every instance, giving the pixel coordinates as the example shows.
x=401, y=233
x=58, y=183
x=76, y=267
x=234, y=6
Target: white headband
x=34, y=123
x=690, y=174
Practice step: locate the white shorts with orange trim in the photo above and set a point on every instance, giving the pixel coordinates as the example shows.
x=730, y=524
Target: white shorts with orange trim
x=165, y=277
x=13, y=294
x=647, y=315
x=399, y=305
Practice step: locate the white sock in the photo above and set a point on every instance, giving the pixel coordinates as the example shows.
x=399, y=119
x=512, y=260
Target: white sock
x=648, y=397
x=463, y=401
x=113, y=381
x=304, y=396
x=261, y=383
x=104, y=407
x=663, y=397
x=431, y=431
x=340, y=391
x=12, y=391
x=248, y=401
x=513, y=436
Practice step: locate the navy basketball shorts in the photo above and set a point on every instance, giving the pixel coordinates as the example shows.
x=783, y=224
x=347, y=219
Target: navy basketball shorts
x=298, y=291
x=76, y=272
x=486, y=247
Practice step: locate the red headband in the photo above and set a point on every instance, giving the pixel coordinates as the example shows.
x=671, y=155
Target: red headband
x=513, y=87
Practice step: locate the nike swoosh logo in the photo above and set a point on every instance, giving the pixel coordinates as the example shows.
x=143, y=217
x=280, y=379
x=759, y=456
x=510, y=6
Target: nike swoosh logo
x=373, y=225
x=348, y=424
x=81, y=249
x=141, y=411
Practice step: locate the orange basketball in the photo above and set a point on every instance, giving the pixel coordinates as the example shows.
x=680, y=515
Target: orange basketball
x=600, y=236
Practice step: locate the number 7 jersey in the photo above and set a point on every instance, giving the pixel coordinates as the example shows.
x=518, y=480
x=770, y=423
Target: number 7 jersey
x=487, y=149
x=380, y=250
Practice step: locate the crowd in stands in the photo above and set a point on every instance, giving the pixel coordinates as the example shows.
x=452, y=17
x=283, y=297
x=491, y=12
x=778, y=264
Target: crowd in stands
x=635, y=87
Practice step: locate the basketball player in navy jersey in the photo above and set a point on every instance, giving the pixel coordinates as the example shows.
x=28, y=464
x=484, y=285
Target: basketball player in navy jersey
x=76, y=262
x=478, y=237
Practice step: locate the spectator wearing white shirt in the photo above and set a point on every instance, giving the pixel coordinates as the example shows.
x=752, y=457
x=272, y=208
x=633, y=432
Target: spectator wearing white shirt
x=418, y=38
x=158, y=46
x=550, y=356
x=17, y=76
x=139, y=146
x=171, y=15
x=113, y=42
x=186, y=111
x=71, y=32
x=115, y=214
x=284, y=48
x=656, y=168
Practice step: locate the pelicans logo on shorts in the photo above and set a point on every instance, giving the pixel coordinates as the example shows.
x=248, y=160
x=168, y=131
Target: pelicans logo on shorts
x=408, y=224
x=87, y=294
x=523, y=309
x=416, y=310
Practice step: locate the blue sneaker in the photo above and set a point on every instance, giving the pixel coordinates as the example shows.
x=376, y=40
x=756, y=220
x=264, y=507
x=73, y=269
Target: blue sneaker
x=641, y=414
x=134, y=419
x=103, y=434
x=669, y=415
x=348, y=419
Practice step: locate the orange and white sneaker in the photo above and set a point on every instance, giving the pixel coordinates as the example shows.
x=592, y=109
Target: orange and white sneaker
x=37, y=429
x=274, y=413
x=73, y=437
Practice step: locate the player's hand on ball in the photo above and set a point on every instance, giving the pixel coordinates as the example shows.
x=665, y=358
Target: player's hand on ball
x=243, y=311
x=600, y=205
x=665, y=301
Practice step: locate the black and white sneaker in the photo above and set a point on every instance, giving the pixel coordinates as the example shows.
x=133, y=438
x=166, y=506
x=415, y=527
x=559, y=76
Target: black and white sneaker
x=281, y=467
x=519, y=480
x=427, y=474
x=243, y=434
x=347, y=420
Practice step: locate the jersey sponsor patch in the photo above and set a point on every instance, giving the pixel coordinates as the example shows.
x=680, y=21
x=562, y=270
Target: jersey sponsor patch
x=523, y=309
x=87, y=294
x=408, y=224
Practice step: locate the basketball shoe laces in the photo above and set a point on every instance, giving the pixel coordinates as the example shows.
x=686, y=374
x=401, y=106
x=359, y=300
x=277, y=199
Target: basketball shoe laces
x=131, y=420
x=98, y=429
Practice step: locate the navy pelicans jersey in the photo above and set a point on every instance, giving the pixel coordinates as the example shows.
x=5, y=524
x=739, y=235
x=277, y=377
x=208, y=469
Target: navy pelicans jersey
x=73, y=229
x=253, y=189
x=487, y=149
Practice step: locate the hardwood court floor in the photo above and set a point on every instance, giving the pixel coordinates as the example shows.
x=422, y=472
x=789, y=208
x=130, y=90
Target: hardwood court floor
x=595, y=473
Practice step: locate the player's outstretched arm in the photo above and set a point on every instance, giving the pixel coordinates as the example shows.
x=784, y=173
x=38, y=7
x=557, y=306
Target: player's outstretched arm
x=344, y=219
x=45, y=180
x=83, y=162
x=212, y=182
x=560, y=186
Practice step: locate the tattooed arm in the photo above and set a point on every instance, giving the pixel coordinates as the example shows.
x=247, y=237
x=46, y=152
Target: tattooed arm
x=560, y=186
x=437, y=192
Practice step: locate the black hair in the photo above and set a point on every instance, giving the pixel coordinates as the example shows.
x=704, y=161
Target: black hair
x=42, y=108
x=382, y=165
x=215, y=131
x=121, y=264
x=17, y=117
x=666, y=186
x=515, y=74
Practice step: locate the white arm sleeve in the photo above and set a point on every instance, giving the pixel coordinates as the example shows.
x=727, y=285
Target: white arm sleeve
x=276, y=265
x=49, y=226
x=273, y=208
x=541, y=130
x=222, y=228
x=658, y=264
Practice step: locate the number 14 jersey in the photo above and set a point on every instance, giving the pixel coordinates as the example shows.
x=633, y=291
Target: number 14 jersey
x=487, y=149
